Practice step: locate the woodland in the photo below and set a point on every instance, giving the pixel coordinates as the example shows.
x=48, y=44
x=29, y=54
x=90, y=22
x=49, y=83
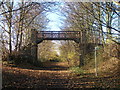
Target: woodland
x=58, y=65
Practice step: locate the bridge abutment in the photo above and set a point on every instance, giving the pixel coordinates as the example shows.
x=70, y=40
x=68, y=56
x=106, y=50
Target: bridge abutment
x=34, y=45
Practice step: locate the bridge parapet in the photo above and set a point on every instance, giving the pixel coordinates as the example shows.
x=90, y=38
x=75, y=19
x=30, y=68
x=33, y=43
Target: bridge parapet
x=59, y=35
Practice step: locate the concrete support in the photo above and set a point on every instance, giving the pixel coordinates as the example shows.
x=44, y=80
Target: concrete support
x=82, y=46
x=34, y=45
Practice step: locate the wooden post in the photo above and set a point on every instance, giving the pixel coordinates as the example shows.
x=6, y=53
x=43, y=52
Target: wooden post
x=96, y=69
x=81, y=58
x=81, y=43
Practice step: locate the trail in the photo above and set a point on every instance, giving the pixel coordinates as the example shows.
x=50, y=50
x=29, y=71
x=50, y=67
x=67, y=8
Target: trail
x=53, y=75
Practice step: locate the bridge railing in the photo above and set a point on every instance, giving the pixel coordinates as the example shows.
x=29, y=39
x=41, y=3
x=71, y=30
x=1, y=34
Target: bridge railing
x=59, y=34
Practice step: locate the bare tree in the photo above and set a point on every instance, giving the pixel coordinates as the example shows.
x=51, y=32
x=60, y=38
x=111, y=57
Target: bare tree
x=16, y=24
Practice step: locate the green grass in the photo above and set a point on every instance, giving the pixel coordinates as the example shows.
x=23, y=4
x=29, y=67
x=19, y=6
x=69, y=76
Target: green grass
x=76, y=70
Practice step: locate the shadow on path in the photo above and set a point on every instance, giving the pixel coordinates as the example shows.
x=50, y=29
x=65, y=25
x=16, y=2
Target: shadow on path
x=51, y=75
x=54, y=75
x=54, y=66
x=48, y=65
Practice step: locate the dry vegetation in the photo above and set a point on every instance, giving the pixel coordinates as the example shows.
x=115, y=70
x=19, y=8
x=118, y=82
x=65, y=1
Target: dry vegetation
x=75, y=66
x=57, y=76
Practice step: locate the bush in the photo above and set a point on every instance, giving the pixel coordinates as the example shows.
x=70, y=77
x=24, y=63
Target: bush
x=18, y=57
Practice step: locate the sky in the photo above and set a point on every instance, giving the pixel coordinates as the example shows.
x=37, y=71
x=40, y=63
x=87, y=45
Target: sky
x=55, y=24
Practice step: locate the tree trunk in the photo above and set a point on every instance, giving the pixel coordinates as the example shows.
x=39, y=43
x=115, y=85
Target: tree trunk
x=10, y=31
x=21, y=26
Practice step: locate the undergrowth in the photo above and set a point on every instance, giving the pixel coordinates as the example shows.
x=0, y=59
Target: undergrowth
x=77, y=70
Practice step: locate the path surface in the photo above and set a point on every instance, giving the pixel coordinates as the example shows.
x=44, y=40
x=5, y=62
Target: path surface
x=53, y=75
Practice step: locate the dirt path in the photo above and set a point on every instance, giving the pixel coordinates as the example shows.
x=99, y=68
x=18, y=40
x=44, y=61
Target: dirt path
x=53, y=75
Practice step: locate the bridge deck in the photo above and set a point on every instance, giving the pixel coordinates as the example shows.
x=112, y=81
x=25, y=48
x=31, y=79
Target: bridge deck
x=59, y=35
x=76, y=36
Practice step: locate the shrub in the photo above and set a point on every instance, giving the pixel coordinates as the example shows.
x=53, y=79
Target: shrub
x=18, y=57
